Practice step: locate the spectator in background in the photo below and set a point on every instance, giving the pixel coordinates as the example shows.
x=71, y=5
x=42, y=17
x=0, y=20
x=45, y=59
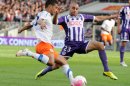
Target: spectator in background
x=1, y=13
x=15, y=10
x=26, y=10
x=64, y=4
x=18, y=15
x=9, y=15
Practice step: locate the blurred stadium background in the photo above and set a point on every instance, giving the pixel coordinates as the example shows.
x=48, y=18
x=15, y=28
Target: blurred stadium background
x=15, y=13
x=20, y=71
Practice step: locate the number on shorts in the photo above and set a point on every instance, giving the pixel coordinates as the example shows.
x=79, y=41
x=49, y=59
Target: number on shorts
x=67, y=48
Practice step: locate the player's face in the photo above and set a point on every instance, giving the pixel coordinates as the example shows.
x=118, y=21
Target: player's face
x=54, y=9
x=74, y=9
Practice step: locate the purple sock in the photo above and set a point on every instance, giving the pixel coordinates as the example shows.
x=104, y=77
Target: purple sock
x=122, y=50
x=48, y=69
x=103, y=57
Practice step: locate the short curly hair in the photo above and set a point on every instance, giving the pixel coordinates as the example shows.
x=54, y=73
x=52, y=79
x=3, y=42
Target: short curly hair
x=50, y=2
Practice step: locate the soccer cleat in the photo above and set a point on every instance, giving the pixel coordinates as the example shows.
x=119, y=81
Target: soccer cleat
x=37, y=76
x=23, y=52
x=123, y=64
x=110, y=74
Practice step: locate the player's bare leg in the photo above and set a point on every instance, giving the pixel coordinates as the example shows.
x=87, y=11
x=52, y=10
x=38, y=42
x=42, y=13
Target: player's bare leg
x=105, y=42
x=94, y=45
x=46, y=59
x=50, y=68
x=110, y=42
x=60, y=62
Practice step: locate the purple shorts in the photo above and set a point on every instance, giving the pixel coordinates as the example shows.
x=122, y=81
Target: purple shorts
x=74, y=47
x=125, y=35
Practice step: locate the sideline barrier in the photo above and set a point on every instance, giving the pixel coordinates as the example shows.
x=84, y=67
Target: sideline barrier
x=21, y=41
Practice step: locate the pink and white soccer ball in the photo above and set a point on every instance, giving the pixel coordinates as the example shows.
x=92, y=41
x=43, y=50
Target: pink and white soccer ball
x=79, y=81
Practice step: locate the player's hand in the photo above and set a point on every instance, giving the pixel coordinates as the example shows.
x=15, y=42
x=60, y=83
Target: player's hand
x=59, y=10
x=19, y=30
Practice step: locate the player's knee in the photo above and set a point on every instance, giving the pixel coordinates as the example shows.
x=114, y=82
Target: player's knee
x=100, y=46
x=63, y=62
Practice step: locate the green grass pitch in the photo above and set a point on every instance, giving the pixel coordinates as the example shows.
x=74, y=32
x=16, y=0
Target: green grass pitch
x=15, y=71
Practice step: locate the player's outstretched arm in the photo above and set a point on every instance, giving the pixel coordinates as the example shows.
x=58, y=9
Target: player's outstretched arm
x=101, y=18
x=27, y=26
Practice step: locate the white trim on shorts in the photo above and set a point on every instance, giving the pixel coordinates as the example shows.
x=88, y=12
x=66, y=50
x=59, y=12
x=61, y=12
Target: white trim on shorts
x=124, y=40
x=67, y=57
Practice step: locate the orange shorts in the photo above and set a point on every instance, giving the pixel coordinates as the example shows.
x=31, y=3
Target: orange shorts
x=46, y=48
x=106, y=37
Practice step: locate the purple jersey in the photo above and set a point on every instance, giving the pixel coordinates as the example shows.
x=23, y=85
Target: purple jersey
x=73, y=26
x=125, y=18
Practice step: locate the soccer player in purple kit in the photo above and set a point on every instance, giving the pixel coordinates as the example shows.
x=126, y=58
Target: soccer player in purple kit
x=124, y=30
x=74, y=40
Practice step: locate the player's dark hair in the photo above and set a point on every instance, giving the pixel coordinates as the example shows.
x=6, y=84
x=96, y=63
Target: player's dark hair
x=50, y=2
